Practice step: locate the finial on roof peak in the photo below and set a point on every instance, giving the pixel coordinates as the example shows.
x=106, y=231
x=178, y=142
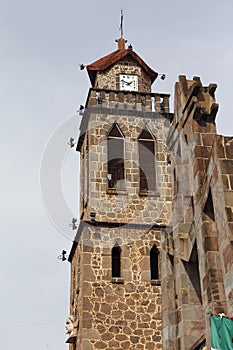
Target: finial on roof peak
x=121, y=44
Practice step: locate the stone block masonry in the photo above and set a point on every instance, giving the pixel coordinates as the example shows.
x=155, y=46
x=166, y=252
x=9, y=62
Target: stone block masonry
x=198, y=269
x=125, y=204
x=185, y=218
x=109, y=78
x=116, y=313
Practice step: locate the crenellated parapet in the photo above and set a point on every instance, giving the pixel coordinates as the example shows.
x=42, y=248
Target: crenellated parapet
x=194, y=100
x=139, y=101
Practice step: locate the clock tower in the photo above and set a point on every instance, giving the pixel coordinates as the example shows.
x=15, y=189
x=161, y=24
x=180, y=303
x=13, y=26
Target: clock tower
x=125, y=207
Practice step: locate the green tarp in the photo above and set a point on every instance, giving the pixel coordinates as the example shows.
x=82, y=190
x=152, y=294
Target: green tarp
x=221, y=333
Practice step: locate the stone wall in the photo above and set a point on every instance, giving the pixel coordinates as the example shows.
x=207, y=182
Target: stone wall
x=116, y=314
x=198, y=252
x=126, y=204
x=189, y=216
x=125, y=312
x=223, y=208
x=109, y=78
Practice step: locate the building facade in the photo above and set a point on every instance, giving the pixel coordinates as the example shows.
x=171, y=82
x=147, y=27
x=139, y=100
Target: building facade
x=153, y=251
x=197, y=275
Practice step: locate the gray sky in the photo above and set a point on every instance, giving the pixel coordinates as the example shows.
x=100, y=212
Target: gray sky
x=42, y=43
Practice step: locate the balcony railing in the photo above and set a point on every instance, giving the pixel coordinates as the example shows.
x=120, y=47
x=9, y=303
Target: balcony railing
x=141, y=101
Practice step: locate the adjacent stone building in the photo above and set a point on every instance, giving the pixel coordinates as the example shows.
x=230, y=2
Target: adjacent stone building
x=197, y=254
x=153, y=250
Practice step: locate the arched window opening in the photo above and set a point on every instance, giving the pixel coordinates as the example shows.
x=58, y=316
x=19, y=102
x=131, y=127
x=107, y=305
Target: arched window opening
x=146, y=144
x=115, y=153
x=116, y=261
x=154, y=263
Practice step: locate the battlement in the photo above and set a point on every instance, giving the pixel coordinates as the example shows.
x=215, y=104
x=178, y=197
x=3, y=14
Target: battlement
x=192, y=98
x=140, y=101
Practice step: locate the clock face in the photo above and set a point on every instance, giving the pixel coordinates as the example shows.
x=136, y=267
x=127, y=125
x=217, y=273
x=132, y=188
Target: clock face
x=128, y=82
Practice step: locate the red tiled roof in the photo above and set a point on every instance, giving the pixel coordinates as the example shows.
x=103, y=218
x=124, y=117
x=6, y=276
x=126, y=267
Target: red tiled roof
x=107, y=61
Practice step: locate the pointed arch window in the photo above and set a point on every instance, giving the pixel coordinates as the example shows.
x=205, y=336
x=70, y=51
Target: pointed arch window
x=154, y=263
x=146, y=143
x=115, y=154
x=116, y=261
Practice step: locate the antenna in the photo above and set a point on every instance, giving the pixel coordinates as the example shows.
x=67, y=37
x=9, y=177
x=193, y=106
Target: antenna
x=121, y=24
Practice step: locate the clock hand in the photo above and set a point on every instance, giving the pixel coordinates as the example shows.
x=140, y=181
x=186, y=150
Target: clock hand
x=126, y=82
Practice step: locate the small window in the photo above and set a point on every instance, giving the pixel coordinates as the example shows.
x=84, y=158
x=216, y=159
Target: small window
x=115, y=149
x=116, y=261
x=146, y=145
x=154, y=263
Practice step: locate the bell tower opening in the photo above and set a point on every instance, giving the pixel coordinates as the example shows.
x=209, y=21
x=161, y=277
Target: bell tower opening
x=146, y=145
x=115, y=153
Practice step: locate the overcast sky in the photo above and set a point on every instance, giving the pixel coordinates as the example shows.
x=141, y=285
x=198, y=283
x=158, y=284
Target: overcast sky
x=42, y=43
